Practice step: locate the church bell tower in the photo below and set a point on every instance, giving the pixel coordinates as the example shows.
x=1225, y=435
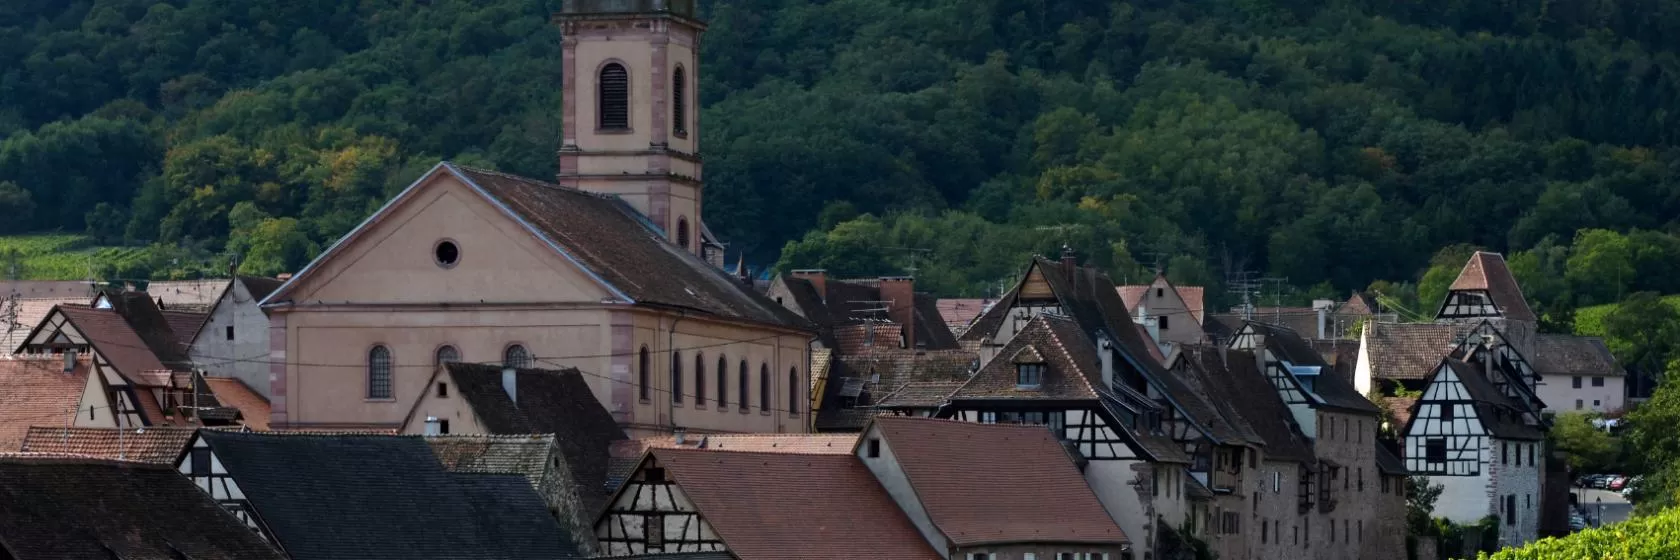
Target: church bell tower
x=630, y=120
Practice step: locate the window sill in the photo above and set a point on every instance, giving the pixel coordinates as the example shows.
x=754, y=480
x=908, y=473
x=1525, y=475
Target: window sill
x=763, y=413
x=744, y=411
x=615, y=131
x=380, y=400
x=683, y=134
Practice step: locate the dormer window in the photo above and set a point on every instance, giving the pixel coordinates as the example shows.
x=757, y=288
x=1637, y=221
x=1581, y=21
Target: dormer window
x=1029, y=376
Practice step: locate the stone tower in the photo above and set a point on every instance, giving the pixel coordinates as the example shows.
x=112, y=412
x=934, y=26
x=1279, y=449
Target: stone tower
x=631, y=127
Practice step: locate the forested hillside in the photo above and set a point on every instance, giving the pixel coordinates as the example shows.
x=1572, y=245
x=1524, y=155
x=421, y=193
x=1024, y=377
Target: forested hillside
x=1332, y=143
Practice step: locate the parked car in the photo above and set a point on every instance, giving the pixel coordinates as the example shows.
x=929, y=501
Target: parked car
x=1577, y=522
x=1602, y=481
x=1617, y=483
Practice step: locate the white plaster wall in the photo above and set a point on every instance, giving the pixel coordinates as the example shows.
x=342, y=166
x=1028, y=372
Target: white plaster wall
x=1465, y=499
x=246, y=356
x=1560, y=393
x=892, y=478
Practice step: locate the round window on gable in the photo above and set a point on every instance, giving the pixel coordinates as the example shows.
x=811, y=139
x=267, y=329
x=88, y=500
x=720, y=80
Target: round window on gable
x=446, y=253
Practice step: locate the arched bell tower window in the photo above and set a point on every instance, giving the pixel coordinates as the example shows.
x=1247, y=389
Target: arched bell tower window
x=682, y=232
x=679, y=102
x=614, y=95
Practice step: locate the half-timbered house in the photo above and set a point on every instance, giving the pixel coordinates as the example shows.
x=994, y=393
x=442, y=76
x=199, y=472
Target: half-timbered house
x=1343, y=427
x=1468, y=437
x=1090, y=300
x=1485, y=290
x=369, y=496
x=1051, y=375
x=814, y=506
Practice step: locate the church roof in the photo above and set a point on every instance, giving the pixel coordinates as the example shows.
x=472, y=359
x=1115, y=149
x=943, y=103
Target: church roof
x=610, y=242
x=1487, y=272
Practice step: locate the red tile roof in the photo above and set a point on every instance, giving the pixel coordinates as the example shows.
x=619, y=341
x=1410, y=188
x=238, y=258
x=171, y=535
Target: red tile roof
x=1132, y=294
x=1016, y=484
x=30, y=312
x=811, y=507
x=149, y=445
x=37, y=392
x=959, y=313
x=253, y=408
x=1487, y=271
x=112, y=338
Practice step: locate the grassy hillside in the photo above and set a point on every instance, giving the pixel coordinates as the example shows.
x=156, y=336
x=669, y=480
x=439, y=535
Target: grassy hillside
x=1589, y=320
x=62, y=257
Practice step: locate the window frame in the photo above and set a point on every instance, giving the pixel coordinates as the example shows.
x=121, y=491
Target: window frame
x=603, y=96
x=793, y=391
x=643, y=373
x=676, y=377
x=437, y=354
x=679, y=102
x=527, y=361
x=765, y=402
x=723, y=383
x=699, y=380
x=373, y=374
x=745, y=390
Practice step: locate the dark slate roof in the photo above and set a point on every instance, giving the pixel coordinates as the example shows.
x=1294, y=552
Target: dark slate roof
x=1410, y=351
x=361, y=496
x=1159, y=446
x=1498, y=413
x=1090, y=297
x=1388, y=462
x=1567, y=354
x=509, y=507
x=1334, y=390
x=80, y=508
x=550, y=402
x=615, y=243
x=153, y=327
x=1242, y=386
x=1206, y=375
x=1487, y=272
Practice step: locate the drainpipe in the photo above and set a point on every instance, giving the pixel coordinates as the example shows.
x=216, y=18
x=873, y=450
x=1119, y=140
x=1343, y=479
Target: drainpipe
x=671, y=358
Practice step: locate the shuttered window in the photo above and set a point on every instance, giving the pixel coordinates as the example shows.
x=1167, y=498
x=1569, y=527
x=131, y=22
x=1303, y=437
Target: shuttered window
x=679, y=102
x=615, y=97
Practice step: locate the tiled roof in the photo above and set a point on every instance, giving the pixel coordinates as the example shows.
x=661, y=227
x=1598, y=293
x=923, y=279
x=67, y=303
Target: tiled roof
x=550, y=402
x=29, y=313
x=1357, y=304
x=1331, y=388
x=1567, y=354
x=1341, y=355
x=1132, y=294
x=1159, y=447
x=1150, y=345
x=1487, y=271
x=512, y=514
x=1018, y=485
x=188, y=294
x=390, y=498
x=846, y=302
x=525, y=455
x=811, y=507
x=1071, y=367
x=148, y=445
x=958, y=313
x=68, y=508
x=37, y=392
x=253, y=408
x=860, y=338
x=611, y=240
x=894, y=367
x=185, y=325
x=1401, y=408
x=114, y=339
x=259, y=286
x=1252, y=405
x=153, y=327
x=808, y=444
x=920, y=394
x=1410, y=351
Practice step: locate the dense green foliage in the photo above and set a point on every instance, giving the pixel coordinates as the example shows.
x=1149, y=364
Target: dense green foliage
x=1651, y=537
x=1332, y=143
x=1586, y=448
x=1657, y=443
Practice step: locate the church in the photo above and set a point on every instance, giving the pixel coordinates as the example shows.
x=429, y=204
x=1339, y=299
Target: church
x=608, y=268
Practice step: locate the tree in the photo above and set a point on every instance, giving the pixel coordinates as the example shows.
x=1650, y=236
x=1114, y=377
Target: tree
x=1420, y=505
x=1644, y=332
x=1600, y=266
x=18, y=207
x=1586, y=448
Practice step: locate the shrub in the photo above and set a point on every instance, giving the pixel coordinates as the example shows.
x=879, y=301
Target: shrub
x=1653, y=537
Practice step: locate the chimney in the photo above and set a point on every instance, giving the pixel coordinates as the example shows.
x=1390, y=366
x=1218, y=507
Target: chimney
x=69, y=360
x=900, y=294
x=1069, y=262
x=432, y=426
x=818, y=278
x=1487, y=356
x=1105, y=355
x=510, y=384
x=1323, y=313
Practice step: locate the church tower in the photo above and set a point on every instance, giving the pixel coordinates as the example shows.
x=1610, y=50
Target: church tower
x=631, y=127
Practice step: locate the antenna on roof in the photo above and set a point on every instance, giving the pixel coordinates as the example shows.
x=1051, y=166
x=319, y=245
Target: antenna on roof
x=915, y=257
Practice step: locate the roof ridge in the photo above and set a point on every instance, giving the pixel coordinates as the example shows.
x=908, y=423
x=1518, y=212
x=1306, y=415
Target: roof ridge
x=1061, y=347
x=745, y=452
x=538, y=182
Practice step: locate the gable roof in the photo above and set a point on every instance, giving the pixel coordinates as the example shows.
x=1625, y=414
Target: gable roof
x=852, y=301
x=152, y=326
x=550, y=402
x=260, y=286
x=1234, y=378
x=1410, y=351
x=804, y=506
x=70, y=508
x=993, y=502
x=38, y=392
x=15, y=326
x=158, y=445
x=1331, y=388
x=1495, y=411
x=187, y=295
x=253, y=408
x=920, y=394
x=1388, y=462
x=1072, y=369
x=1133, y=294
x=607, y=240
x=1357, y=304
x=869, y=376
x=112, y=338
x=1567, y=354
x=390, y=497
x=1487, y=272
x=958, y=313
x=628, y=454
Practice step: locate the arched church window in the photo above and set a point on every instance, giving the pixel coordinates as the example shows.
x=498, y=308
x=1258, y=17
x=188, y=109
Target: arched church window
x=679, y=102
x=615, y=97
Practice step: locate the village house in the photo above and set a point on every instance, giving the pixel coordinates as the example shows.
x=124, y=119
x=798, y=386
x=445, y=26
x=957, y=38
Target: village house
x=63, y=506
x=369, y=496
x=1578, y=373
x=800, y=505
x=608, y=269
x=1479, y=445
x=1172, y=314
x=958, y=313
x=232, y=341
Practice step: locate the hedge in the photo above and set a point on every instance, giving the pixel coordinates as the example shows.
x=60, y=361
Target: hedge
x=1653, y=537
